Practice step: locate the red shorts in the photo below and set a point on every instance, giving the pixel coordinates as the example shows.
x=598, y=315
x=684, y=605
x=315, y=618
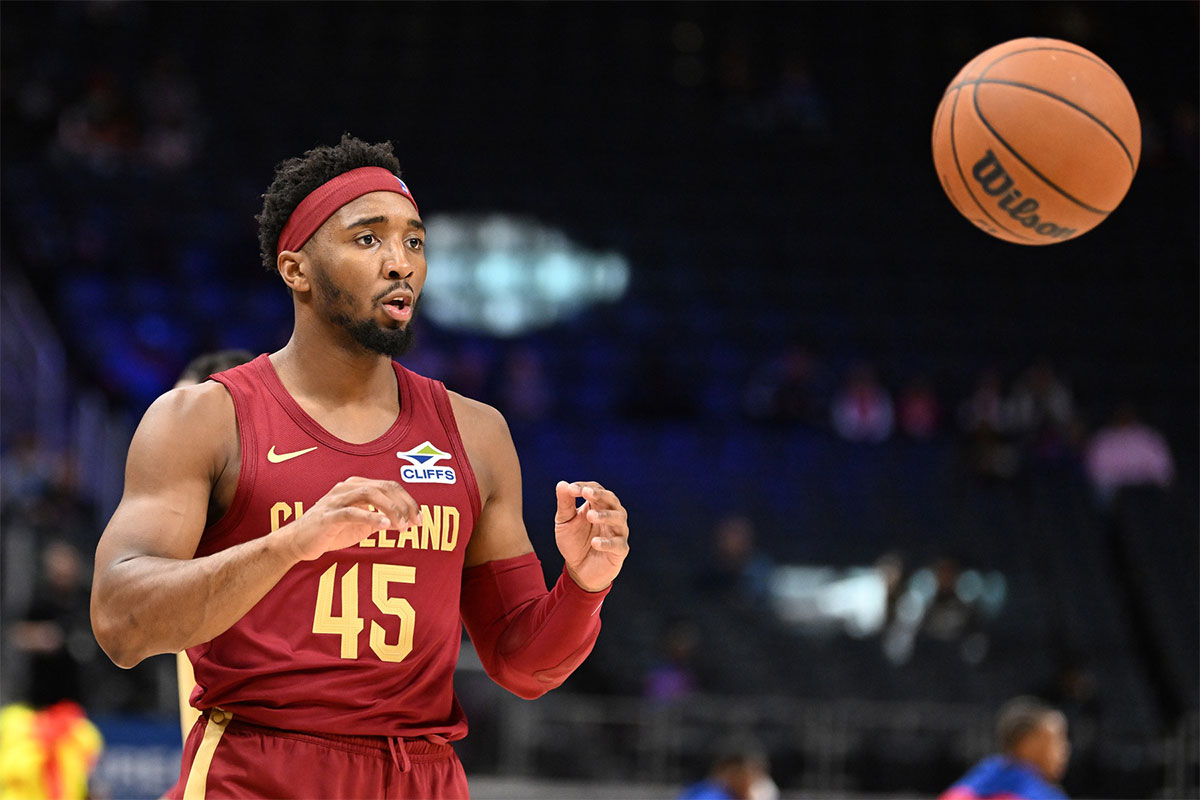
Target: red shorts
x=224, y=757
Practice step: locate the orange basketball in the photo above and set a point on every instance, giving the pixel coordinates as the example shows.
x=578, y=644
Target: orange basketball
x=1036, y=141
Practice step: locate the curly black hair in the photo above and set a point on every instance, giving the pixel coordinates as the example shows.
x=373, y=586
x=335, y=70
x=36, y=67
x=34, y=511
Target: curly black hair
x=296, y=178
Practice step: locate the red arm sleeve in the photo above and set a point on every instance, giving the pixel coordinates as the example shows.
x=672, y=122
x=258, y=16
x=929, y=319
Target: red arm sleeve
x=528, y=639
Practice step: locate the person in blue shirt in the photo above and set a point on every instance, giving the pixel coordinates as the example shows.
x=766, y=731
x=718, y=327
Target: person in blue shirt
x=1034, y=751
x=740, y=772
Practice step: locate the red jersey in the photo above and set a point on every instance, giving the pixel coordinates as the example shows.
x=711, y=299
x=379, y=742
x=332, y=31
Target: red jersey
x=362, y=640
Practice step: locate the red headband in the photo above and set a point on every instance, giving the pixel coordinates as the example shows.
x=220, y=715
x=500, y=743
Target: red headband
x=327, y=198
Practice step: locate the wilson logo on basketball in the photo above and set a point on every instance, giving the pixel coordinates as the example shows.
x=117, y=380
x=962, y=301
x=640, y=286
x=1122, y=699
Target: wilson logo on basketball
x=996, y=182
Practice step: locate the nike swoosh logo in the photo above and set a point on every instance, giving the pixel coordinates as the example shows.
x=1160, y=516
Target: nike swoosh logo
x=278, y=458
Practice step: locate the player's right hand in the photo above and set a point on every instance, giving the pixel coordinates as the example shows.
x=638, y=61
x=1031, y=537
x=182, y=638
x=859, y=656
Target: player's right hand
x=349, y=513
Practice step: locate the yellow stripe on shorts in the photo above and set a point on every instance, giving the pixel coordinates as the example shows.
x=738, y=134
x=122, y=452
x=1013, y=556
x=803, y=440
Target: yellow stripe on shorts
x=197, y=780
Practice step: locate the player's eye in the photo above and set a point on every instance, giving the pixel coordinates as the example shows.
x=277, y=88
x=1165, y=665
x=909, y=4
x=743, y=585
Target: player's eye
x=416, y=243
x=367, y=239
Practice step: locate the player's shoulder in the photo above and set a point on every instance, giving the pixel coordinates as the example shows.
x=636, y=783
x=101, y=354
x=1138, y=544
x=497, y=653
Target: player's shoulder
x=197, y=413
x=476, y=416
x=488, y=442
x=1035, y=787
x=205, y=398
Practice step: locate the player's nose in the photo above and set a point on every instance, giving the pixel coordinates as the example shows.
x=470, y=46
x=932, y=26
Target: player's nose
x=395, y=261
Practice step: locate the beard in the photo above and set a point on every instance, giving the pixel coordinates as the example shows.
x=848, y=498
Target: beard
x=367, y=333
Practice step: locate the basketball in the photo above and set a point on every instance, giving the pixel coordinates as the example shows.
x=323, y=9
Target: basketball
x=1036, y=141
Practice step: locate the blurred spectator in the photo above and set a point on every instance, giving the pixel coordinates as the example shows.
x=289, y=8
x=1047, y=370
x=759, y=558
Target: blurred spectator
x=47, y=745
x=174, y=123
x=28, y=469
x=59, y=511
x=986, y=406
x=673, y=677
x=1127, y=452
x=986, y=420
x=740, y=772
x=787, y=389
x=918, y=409
x=947, y=604
x=1073, y=690
x=739, y=572
x=892, y=569
x=862, y=409
x=948, y=616
x=1044, y=412
x=1034, y=750
x=98, y=130
x=55, y=632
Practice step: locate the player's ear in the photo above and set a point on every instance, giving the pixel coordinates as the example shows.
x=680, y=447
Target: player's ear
x=293, y=268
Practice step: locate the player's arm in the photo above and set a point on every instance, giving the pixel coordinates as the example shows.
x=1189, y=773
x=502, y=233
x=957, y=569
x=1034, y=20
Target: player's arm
x=149, y=595
x=530, y=639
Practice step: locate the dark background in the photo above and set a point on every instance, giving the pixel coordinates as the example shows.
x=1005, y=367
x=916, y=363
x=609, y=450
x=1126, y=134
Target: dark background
x=585, y=116
x=766, y=170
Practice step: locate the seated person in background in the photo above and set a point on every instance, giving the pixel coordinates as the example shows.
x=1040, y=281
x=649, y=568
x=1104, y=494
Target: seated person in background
x=1034, y=750
x=740, y=772
x=1127, y=452
x=863, y=410
x=672, y=677
x=738, y=572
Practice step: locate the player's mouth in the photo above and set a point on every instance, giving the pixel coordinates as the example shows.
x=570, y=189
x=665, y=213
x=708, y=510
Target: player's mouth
x=399, y=306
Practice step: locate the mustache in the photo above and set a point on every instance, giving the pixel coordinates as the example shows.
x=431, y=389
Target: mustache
x=401, y=284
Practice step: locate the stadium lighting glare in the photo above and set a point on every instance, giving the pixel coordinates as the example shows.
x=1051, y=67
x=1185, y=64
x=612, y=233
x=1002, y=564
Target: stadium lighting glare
x=506, y=276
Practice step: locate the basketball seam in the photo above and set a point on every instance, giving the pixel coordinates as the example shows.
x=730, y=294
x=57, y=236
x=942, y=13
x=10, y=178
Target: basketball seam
x=1065, y=101
x=1018, y=156
x=1028, y=166
x=1094, y=59
x=963, y=178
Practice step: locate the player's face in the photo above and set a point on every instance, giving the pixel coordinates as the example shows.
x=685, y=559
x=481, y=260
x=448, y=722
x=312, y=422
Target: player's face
x=1055, y=748
x=369, y=269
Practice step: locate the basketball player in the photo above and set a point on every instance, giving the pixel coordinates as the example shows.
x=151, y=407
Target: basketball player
x=200, y=368
x=1034, y=751
x=316, y=526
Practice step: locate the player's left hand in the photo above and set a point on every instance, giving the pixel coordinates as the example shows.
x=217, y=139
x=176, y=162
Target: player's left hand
x=593, y=537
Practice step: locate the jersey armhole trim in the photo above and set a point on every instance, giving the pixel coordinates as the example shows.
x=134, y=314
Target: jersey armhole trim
x=441, y=399
x=247, y=466
x=241, y=493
